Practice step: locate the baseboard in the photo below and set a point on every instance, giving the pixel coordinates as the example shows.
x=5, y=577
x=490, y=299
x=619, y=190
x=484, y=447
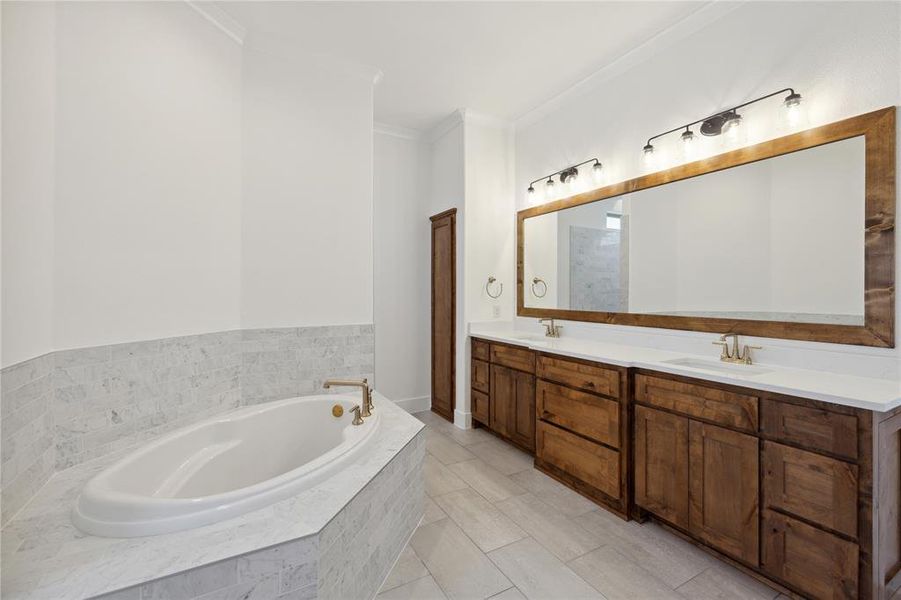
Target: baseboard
x=414, y=405
x=463, y=419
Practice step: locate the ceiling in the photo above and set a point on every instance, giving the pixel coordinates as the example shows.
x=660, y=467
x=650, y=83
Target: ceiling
x=499, y=58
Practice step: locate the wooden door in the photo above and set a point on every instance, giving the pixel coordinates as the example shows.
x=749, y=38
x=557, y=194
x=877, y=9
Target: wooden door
x=444, y=307
x=723, y=490
x=502, y=404
x=661, y=464
x=521, y=426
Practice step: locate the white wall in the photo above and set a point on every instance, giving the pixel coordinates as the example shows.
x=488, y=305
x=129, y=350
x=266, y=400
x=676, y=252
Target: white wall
x=841, y=71
x=28, y=104
x=401, y=275
x=148, y=161
x=307, y=202
x=488, y=164
x=161, y=180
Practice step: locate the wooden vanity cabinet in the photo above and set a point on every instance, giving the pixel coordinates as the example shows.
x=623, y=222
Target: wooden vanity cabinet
x=723, y=490
x=512, y=405
x=699, y=477
x=503, y=391
x=583, y=428
x=801, y=494
x=661, y=464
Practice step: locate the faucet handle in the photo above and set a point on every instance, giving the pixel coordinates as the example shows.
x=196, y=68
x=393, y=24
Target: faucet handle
x=722, y=342
x=746, y=353
x=358, y=420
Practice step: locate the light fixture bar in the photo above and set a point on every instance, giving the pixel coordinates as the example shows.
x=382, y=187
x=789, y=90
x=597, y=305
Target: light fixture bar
x=568, y=169
x=725, y=115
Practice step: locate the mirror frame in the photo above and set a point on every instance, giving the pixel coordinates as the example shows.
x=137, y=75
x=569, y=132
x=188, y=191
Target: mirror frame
x=878, y=129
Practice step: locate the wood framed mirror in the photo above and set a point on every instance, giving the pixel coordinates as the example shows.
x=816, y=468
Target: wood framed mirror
x=790, y=238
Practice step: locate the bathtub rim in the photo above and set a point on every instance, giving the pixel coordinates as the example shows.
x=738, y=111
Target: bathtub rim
x=215, y=508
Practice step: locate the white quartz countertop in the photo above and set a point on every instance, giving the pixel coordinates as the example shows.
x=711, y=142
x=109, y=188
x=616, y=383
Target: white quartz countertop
x=44, y=556
x=879, y=395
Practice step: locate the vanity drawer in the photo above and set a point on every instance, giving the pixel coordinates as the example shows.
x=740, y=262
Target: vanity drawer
x=810, y=427
x=596, y=465
x=480, y=375
x=479, y=349
x=589, y=377
x=592, y=416
x=817, y=488
x=818, y=564
x=719, y=406
x=515, y=358
x=480, y=409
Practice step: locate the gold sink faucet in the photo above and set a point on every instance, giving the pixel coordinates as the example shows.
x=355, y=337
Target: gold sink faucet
x=550, y=330
x=366, y=405
x=735, y=355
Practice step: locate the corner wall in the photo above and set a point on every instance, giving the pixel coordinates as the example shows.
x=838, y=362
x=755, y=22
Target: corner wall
x=402, y=295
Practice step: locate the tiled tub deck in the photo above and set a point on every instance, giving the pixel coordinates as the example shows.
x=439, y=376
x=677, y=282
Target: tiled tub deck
x=336, y=540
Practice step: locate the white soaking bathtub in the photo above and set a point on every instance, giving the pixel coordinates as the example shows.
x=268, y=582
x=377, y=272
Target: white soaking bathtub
x=223, y=467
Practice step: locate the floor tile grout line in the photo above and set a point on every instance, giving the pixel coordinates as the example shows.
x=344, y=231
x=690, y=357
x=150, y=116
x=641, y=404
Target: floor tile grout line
x=576, y=519
x=566, y=566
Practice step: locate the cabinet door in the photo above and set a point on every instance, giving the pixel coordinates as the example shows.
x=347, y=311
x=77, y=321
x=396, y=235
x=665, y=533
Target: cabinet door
x=521, y=426
x=661, y=464
x=724, y=507
x=819, y=564
x=503, y=398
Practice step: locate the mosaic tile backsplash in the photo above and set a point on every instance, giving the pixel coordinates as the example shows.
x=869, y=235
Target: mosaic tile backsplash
x=66, y=407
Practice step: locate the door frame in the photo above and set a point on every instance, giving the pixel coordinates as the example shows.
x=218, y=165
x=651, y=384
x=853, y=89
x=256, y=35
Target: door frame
x=452, y=213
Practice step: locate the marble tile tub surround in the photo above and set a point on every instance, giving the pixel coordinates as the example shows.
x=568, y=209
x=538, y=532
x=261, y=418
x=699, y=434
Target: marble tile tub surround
x=67, y=407
x=359, y=518
x=27, y=444
x=870, y=393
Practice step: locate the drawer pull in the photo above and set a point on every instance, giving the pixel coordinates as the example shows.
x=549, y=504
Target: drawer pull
x=588, y=384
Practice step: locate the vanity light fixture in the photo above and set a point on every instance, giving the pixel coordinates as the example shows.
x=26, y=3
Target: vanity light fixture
x=728, y=121
x=568, y=176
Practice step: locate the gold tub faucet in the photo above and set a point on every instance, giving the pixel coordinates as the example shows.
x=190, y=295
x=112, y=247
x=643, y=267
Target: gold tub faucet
x=366, y=405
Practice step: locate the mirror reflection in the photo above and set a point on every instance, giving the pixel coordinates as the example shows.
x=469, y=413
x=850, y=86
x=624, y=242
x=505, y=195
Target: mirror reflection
x=781, y=239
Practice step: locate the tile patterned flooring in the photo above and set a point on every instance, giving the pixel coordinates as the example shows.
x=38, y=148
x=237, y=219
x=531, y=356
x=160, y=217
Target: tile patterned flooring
x=494, y=527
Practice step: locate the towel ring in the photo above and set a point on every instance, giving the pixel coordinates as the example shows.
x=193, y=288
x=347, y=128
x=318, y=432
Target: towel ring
x=500, y=291
x=535, y=282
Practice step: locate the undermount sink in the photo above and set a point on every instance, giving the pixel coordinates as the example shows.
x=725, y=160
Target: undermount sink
x=719, y=366
x=528, y=337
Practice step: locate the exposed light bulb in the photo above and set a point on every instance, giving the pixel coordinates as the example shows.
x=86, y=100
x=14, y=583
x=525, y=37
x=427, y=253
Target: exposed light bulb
x=688, y=143
x=597, y=172
x=732, y=129
x=572, y=180
x=648, y=156
x=793, y=112
x=549, y=192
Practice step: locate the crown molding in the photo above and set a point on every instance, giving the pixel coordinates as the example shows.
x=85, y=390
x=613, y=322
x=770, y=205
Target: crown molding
x=448, y=124
x=473, y=117
x=396, y=131
x=707, y=14
x=223, y=21
x=282, y=50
